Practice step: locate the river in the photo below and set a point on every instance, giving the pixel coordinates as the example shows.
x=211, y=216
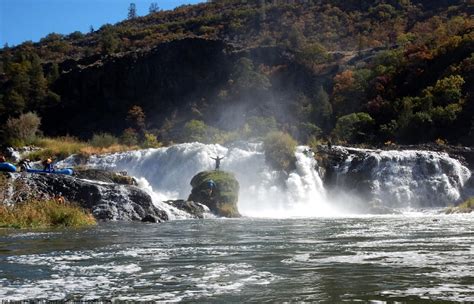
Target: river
x=413, y=258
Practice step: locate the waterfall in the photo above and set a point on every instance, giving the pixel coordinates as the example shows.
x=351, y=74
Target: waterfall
x=408, y=178
x=166, y=172
x=360, y=179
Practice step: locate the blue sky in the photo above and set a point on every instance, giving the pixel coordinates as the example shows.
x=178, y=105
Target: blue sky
x=22, y=20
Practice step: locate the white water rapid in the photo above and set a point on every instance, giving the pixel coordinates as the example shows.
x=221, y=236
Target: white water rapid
x=166, y=173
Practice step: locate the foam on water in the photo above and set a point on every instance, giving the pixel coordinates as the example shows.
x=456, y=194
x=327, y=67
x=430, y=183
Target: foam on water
x=246, y=260
x=90, y=275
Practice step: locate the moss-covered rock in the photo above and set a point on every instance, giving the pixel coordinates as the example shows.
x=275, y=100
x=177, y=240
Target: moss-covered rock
x=222, y=198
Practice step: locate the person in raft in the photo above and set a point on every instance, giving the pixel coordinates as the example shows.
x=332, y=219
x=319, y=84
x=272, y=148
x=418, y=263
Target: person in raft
x=48, y=165
x=218, y=161
x=2, y=159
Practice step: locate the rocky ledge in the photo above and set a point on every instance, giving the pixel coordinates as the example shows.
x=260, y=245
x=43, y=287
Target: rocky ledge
x=106, y=200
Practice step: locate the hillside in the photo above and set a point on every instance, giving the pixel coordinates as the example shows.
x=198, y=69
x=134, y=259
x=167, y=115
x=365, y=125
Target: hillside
x=358, y=71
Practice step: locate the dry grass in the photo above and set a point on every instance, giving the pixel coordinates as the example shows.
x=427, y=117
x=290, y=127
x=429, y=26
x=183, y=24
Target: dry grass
x=89, y=150
x=62, y=147
x=44, y=214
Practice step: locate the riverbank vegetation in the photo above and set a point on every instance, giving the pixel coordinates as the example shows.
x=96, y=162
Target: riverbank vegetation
x=280, y=151
x=22, y=208
x=44, y=214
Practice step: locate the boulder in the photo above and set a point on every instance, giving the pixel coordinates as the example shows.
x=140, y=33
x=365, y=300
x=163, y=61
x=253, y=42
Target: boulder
x=106, y=201
x=196, y=210
x=222, y=200
x=106, y=176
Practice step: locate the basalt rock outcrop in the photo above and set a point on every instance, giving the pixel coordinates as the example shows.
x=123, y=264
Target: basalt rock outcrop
x=179, y=79
x=221, y=198
x=392, y=177
x=106, y=201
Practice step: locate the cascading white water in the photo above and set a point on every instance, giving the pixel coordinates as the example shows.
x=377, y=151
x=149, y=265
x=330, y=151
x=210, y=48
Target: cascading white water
x=395, y=179
x=407, y=178
x=166, y=173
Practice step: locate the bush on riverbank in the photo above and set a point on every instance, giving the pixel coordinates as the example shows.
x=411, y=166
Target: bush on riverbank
x=280, y=151
x=44, y=214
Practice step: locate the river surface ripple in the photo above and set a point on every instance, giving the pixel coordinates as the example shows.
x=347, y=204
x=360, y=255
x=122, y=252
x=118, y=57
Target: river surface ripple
x=417, y=259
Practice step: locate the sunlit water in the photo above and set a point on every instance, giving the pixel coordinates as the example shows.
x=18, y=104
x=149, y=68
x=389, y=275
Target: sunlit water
x=406, y=258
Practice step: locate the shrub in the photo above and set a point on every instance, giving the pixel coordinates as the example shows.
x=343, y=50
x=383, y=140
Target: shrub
x=280, y=151
x=103, y=140
x=44, y=214
x=353, y=127
x=129, y=137
x=314, y=53
x=136, y=118
x=22, y=130
x=195, y=130
x=150, y=141
x=309, y=130
x=261, y=126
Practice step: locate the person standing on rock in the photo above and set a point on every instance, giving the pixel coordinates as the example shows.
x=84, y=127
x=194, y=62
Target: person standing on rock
x=218, y=161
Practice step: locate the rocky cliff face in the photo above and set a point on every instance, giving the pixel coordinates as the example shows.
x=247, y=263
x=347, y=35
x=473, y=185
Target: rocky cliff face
x=102, y=91
x=410, y=177
x=178, y=80
x=106, y=201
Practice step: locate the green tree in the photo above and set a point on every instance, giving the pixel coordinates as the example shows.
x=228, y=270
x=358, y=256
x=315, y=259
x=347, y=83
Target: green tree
x=132, y=11
x=322, y=109
x=150, y=141
x=354, y=127
x=13, y=102
x=245, y=76
x=136, y=118
x=129, y=137
x=446, y=91
x=53, y=74
x=280, y=150
x=314, y=53
x=22, y=130
x=195, y=130
x=103, y=140
x=153, y=8
x=109, y=42
x=261, y=126
x=308, y=130
x=38, y=83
